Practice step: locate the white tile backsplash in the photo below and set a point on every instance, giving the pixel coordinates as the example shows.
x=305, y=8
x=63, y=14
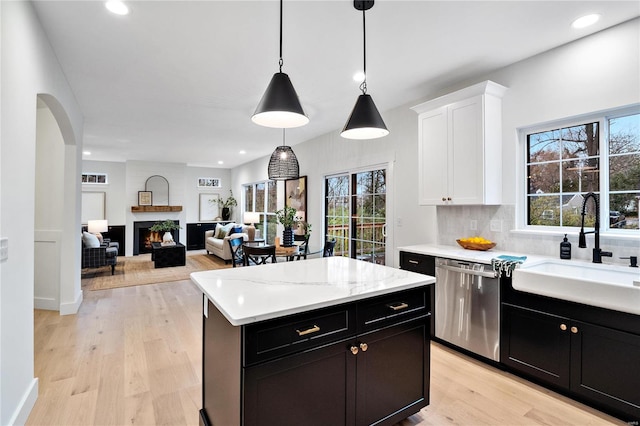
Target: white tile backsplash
x=454, y=222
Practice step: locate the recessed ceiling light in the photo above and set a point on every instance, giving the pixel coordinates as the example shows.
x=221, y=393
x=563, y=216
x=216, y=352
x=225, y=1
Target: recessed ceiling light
x=585, y=21
x=220, y=162
x=117, y=7
x=242, y=151
x=86, y=152
x=358, y=77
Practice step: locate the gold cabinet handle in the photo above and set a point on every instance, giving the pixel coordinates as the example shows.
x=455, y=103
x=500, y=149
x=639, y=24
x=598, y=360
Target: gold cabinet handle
x=574, y=330
x=415, y=262
x=364, y=347
x=354, y=350
x=310, y=330
x=563, y=327
x=398, y=306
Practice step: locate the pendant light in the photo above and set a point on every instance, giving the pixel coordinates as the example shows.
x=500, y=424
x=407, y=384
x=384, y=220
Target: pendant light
x=280, y=106
x=283, y=163
x=365, y=122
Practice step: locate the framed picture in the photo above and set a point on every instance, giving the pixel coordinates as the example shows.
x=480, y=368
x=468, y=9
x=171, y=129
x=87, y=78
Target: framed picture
x=208, y=207
x=207, y=182
x=145, y=198
x=295, y=192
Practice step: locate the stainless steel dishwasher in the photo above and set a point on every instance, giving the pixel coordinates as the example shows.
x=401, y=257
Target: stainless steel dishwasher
x=467, y=310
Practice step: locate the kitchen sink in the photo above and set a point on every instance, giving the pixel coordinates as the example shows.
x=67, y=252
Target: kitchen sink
x=606, y=286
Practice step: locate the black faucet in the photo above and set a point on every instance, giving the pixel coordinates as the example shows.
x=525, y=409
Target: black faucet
x=582, y=240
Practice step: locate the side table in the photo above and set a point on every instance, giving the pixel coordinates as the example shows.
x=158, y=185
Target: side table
x=168, y=255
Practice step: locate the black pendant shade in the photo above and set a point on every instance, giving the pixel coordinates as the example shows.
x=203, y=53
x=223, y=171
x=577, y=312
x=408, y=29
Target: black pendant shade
x=365, y=121
x=280, y=106
x=283, y=164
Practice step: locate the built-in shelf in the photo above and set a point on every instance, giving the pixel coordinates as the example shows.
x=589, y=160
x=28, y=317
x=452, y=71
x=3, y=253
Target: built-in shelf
x=149, y=209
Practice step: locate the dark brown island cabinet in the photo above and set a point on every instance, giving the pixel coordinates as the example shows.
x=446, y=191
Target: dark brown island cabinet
x=360, y=363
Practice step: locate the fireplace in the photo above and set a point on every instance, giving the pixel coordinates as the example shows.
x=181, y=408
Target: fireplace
x=143, y=237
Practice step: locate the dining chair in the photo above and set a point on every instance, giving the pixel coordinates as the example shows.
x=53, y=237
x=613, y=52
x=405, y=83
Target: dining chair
x=258, y=255
x=235, y=245
x=328, y=248
x=303, y=248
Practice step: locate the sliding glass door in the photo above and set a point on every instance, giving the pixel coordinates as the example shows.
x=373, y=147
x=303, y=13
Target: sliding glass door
x=355, y=206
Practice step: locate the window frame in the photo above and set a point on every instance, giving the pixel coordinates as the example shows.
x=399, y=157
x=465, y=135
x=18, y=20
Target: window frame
x=266, y=216
x=522, y=195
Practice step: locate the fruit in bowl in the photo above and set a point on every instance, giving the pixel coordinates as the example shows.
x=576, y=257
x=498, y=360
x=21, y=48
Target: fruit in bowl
x=476, y=243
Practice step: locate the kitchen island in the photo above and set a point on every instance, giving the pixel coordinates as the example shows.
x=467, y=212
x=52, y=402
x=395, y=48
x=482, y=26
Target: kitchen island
x=322, y=341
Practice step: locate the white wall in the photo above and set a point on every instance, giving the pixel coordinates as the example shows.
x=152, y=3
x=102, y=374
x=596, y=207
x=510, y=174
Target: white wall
x=126, y=179
x=591, y=74
x=29, y=68
x=595, y=73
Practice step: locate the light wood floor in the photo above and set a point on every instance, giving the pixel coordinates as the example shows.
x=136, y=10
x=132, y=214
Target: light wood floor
x=132, y=356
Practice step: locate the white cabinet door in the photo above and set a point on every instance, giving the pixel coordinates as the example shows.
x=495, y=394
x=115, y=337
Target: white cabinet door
x=466, y=161
x=460, y=147
x=433, y=157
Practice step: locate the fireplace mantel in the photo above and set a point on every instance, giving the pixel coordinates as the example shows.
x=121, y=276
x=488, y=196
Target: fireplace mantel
x=151, y=209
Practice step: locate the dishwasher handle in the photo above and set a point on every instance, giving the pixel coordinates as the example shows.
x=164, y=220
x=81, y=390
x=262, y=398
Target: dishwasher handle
x=467, y=271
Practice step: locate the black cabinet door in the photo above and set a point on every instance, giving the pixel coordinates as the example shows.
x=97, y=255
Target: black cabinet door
x=392, y=373
x=195, y=234
x=536, y=344
x=605, y=368
x=311, y=388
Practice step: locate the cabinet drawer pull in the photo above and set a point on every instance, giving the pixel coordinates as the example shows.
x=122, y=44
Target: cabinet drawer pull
x=398, y=306
x=415, y=262
x=354, y=350
x=364, y=347
x=574, y=330
x=309, y=330
x=563, y=327
x=444, y=198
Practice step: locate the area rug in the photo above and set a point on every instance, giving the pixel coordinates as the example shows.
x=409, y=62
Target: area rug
x=139, y=270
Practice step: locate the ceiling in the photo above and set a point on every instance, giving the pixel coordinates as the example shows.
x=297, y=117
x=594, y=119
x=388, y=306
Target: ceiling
x=179, y=80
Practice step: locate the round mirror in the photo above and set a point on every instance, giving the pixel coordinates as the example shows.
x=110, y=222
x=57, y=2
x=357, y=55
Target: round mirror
x=159, y=187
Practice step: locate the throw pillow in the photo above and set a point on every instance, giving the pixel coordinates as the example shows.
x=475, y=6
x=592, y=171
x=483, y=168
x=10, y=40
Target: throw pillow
x=236, y=230
x=222, y=234
x=90, y=240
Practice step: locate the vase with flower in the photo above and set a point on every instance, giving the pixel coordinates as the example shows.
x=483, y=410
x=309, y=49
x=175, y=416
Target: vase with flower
x=287, y=217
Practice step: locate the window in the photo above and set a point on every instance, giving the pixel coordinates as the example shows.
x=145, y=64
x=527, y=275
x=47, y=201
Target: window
x=355, y=207
x=600, y=155
x=262, y=197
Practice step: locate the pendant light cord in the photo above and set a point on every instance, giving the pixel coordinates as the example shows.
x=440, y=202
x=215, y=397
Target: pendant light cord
x=280, y=62
x=363, y=85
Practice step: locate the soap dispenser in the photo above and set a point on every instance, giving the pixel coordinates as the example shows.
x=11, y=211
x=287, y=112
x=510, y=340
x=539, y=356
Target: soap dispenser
x=565, y=248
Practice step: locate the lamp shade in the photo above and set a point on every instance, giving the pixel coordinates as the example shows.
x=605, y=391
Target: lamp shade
x=251, y=217
x=280, y=106
x=365, y=122
x=96, y=226
x=283, y=164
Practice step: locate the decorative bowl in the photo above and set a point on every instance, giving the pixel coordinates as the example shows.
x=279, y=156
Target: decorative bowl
x=476, y=246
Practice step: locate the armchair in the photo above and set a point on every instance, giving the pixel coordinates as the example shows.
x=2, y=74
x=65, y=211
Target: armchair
x=96, y=256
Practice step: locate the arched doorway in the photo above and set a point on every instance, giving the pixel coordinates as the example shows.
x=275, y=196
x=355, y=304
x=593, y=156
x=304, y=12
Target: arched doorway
x=57, y=206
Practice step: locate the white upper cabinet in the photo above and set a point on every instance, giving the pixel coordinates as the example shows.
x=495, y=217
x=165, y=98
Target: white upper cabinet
x=460, y=147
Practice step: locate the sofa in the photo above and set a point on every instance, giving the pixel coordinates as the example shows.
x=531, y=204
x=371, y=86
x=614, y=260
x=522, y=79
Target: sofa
x=216, y=241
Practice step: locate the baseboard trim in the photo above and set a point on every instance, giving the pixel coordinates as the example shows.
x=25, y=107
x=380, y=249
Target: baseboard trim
x=26, y=404
x=46, y=303
x=71, y=308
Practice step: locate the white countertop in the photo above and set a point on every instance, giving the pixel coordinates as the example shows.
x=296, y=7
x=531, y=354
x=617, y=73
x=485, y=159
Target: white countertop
x=616, y=297
x=256, y=293
x=457, y=252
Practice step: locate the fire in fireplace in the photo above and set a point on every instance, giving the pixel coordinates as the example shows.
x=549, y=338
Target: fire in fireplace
x=143, y=237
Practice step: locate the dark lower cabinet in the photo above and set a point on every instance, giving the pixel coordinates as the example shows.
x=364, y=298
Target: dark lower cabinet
x=325, y=367
x=537, y=344
x=599, y=365
x=195, y=234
